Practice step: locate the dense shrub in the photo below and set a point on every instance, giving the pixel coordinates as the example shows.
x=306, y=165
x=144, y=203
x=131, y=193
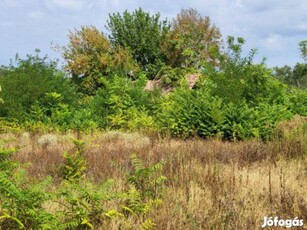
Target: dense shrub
x=33, y=81
x=124, y=103
x=238, y=78
x=234, y=97
x=169, y=76
x=186, y=113
x=298, y=101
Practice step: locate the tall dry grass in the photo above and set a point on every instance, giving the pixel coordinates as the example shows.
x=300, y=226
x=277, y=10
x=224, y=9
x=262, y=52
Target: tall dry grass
x=211, y=184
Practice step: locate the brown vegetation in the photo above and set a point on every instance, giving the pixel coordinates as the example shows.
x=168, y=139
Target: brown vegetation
x=211, y=184
x=151, y=85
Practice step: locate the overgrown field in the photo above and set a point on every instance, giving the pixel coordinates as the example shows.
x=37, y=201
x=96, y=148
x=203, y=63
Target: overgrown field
x=156, y=125
x=117, y=180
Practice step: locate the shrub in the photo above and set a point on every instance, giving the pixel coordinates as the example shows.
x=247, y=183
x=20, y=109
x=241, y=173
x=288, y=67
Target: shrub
x=21, y=202
x=237, y=78
x=170, y=76
x=187, y=113
x=36, y=79
x=297, y=101
x=75, y=163
x=124, y=104
x=83, y=204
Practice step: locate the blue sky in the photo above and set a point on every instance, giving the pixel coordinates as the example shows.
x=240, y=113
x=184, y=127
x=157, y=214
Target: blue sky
x=273, y=27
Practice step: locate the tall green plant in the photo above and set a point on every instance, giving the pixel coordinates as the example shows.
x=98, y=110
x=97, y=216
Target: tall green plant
x=75, y=163
x=124, y=104
x=35, y=78
x=237, y=78
x=21, y=202
x=140, y=32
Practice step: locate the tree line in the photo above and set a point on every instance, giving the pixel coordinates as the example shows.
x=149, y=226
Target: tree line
x=102, y=83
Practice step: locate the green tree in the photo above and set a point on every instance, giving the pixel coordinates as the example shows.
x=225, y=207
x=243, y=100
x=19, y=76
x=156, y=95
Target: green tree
x=238, y=78
x=191, y=40
x=28, y=82
x=140, y=32
x=296, y=76
x=300, y=75
x=303, y=50
x=283, y=74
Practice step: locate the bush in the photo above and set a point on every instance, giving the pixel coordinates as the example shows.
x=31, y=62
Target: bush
x=124, y=104
x=38, y=82
x=237, y=78
x=187, y=113
x=170, y=76
x=297, y=101
x=21, y=202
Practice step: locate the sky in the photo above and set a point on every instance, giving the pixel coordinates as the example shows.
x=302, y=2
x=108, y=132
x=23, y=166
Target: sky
x=273, y=27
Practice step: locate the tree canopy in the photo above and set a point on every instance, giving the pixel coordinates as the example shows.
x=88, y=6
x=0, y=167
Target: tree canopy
x=140, y=32
x=191, y=40
x=90, y=57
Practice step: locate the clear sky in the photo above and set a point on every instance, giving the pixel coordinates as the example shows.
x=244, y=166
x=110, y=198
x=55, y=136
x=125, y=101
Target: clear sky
x=274, y=27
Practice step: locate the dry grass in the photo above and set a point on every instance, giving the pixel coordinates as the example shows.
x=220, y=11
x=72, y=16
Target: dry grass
x=211, y=184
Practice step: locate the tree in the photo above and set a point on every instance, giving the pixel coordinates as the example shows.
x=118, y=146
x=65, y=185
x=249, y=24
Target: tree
x=29, y=82
x=90, y=58
x=300, y=75
x=296, y=76
x=1, y=100
x=191, y=40
x=238, y=79
x=139, y=32
x=283, y=74
x=303, y=50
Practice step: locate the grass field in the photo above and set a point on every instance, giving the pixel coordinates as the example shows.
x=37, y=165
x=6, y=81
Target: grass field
x=210, y=184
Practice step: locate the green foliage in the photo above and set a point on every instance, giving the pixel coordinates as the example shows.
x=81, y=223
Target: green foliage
x=75, y=163
x=237, y=78
x=146, y=180
x=1, y=100
x=298, y=101
x=36, y=79
x=296, y=76
x=82, y=120
x=190, y=40
x=83, y=204
x=299, y=78
x=187, y=113
x=148, y=224
x=147, y=185
x=124, y=104
x=234, y=98
x=139, y=32
x=170, y=77
x=303, y=50
x=21, y=202
x=90, y=57
x=6, y=165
